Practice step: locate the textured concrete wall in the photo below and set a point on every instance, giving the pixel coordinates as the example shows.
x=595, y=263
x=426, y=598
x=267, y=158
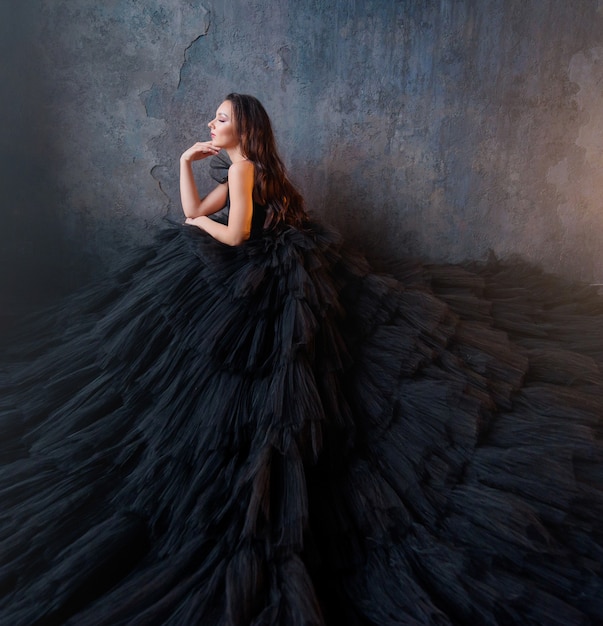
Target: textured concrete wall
x=444, y=129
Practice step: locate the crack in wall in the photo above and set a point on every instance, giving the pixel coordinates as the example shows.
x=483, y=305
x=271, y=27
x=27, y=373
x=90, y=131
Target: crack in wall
x=155, y=175
x=192, y=43
x=156, y=98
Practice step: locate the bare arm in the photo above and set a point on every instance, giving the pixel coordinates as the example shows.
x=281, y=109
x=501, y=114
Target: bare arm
x=192, y=204
x=238, y=229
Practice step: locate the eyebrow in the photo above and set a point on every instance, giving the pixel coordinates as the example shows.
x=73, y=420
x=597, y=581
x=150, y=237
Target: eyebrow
x=221, y=113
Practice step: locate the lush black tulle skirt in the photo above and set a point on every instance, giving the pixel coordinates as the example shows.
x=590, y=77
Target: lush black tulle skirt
x=277, y=434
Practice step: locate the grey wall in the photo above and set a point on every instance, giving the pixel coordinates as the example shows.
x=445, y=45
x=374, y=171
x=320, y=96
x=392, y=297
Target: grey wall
x=444, y=129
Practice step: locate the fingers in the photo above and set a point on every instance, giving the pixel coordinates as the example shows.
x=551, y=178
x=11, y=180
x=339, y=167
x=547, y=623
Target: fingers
x=207, y=147
x=200, y=150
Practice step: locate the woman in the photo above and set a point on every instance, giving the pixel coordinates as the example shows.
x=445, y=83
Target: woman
x=249, y=426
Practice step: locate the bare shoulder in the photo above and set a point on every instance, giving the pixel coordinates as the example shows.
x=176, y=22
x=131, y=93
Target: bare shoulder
x=241, y=169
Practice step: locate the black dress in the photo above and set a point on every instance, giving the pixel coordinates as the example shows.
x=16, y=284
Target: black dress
x=276, y=433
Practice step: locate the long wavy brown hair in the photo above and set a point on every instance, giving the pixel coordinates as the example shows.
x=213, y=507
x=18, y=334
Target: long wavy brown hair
x=272, y=188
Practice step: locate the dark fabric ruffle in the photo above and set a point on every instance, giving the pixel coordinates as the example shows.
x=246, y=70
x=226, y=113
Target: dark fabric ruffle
x=275, y=433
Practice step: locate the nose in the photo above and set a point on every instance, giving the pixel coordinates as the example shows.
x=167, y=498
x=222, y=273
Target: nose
x=211, y=124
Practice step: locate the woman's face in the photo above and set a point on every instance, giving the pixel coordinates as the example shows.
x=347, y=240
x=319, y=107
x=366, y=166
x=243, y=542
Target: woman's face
x=222, y=127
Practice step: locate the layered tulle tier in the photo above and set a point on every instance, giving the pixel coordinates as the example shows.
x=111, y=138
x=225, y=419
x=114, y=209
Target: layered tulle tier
x=276, y=434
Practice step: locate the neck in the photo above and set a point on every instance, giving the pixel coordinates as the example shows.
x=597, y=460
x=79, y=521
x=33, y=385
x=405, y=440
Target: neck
x=235, y=154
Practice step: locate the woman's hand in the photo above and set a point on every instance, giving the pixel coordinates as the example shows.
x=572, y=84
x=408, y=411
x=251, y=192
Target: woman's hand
x=198, y=151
